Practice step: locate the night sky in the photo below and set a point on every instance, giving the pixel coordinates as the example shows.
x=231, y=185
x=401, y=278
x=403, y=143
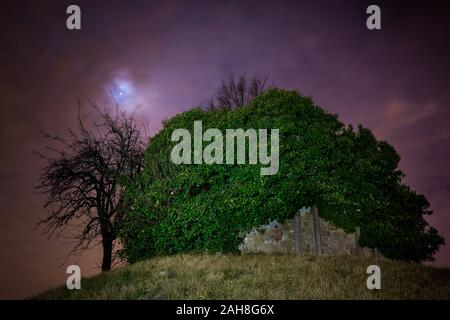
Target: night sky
x=165, y=57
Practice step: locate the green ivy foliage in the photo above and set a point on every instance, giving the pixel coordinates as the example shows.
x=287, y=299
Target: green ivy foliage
x=351, y=177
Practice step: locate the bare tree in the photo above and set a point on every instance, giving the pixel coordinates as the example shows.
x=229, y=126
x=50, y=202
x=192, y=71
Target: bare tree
x=235, y=93
x=83, y=182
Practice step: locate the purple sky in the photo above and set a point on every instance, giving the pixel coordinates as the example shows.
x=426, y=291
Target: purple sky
x=170, y=56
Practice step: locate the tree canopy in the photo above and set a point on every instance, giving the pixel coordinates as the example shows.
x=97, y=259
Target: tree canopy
x=352, y=178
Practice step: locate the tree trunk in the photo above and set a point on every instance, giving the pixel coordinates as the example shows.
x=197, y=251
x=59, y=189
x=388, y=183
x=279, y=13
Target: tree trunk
x=107, y=254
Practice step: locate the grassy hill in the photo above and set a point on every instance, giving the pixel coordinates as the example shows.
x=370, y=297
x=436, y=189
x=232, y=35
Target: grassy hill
x=260, y=277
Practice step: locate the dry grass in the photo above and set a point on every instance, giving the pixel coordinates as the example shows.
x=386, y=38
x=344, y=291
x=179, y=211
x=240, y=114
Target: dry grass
x=260, y=277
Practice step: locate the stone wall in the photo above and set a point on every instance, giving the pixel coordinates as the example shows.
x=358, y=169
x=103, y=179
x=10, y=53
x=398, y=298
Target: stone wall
x=278, y=237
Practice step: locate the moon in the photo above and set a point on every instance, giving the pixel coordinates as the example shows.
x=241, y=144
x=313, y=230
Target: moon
x=122, y=92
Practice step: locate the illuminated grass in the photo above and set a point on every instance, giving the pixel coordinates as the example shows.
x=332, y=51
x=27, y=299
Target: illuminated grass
x=260, y=277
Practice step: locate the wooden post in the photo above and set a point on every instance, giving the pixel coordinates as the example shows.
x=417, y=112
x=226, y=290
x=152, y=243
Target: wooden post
x=316, y=226
x=358, y=249
x=297, y=238
x=375, y=255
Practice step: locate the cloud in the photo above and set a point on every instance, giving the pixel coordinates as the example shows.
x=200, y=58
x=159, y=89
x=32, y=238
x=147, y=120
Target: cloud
x=399, y=114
